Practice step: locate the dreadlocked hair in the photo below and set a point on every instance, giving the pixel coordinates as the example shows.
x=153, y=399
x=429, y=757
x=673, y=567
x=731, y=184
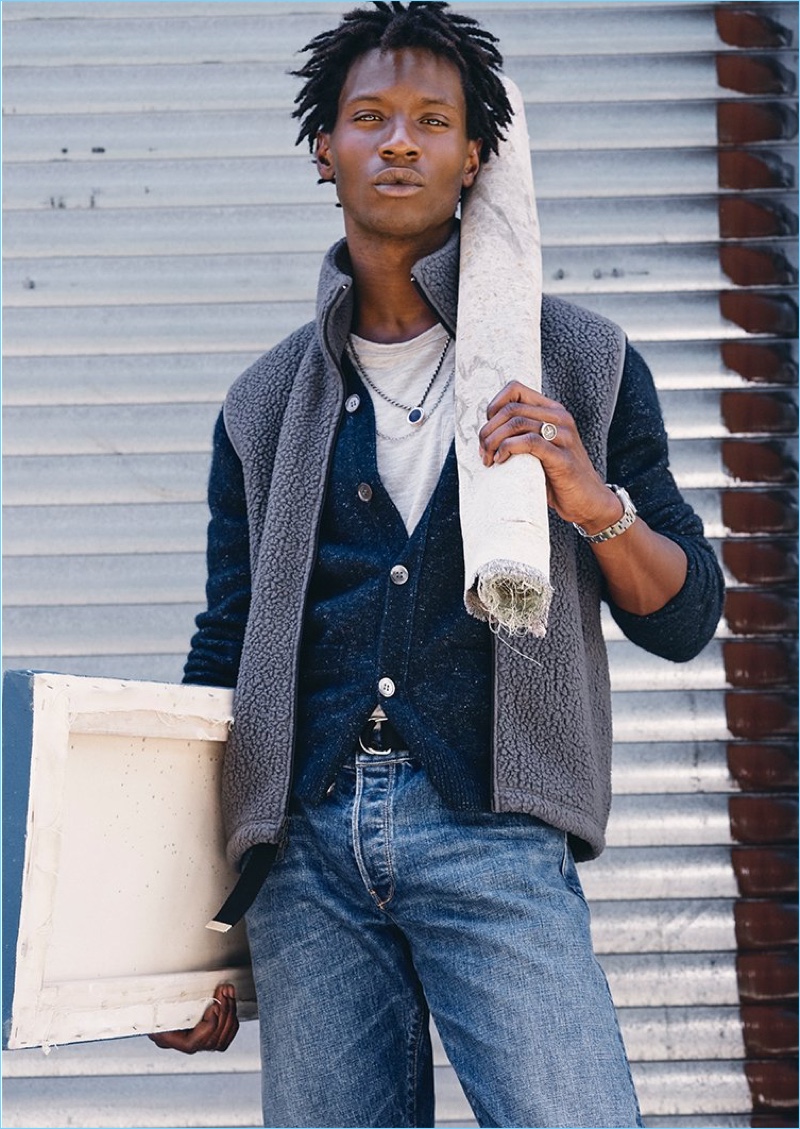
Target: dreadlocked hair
x=428, y=24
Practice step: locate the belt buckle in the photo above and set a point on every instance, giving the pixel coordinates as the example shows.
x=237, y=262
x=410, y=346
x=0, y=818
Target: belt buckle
x=376, y=732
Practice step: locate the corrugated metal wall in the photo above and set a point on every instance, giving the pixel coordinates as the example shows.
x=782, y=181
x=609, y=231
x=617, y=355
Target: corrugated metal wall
x=160, y=231
x=758, y=226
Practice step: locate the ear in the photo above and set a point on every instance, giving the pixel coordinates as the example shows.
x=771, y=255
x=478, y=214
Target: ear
x=323, y=157
x=472, y=164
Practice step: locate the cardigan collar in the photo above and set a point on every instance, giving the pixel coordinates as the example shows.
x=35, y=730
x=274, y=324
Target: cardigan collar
x=435, y=276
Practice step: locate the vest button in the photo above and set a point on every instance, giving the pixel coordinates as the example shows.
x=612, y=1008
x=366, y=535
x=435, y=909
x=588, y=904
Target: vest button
x=386, y=687
x=365, y=491
x=399, y=574
x=352, y=403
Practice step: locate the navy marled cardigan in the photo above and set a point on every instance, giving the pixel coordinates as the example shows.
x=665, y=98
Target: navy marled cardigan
x=551, y=721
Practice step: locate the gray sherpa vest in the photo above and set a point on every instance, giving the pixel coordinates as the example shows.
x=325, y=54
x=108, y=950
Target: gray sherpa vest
x=551, y=754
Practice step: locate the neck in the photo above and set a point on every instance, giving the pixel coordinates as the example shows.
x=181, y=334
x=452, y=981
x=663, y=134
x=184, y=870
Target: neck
x=388, y=306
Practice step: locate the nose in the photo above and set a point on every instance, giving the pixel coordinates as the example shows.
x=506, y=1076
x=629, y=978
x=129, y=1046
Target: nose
x=399, y=142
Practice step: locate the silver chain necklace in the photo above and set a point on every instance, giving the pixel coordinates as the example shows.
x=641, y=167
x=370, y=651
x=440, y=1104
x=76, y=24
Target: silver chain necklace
x=415, y=413
x=411, y=434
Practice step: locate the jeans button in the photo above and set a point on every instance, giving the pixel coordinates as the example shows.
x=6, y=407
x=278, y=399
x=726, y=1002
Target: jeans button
x=399, y=574
x=386, y=687
x=365, y=491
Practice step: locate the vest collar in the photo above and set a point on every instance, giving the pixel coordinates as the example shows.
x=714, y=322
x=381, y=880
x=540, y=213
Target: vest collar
x=435, y=276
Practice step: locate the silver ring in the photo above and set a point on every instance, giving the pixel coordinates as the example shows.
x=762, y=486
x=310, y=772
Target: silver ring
x=548, y=431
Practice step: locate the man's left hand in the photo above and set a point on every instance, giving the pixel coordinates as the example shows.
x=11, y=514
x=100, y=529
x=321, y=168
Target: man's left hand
x=574, y=488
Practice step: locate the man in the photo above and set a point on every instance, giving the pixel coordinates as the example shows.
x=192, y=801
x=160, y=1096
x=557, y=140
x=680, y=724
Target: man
x=419, y=788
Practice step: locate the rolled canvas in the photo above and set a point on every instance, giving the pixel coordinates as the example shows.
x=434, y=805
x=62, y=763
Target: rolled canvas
x=503, y=508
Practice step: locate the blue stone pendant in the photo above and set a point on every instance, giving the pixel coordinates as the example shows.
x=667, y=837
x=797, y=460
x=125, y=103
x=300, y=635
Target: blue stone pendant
x=415, y=417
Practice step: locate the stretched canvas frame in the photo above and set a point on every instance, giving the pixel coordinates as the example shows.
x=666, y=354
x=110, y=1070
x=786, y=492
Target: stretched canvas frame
x=114, y=858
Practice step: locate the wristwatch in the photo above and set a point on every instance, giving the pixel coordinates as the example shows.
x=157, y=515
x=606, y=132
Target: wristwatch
x=625, y=522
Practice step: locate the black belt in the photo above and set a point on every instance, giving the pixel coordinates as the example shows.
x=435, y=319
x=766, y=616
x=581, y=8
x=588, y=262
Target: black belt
x=259, y=863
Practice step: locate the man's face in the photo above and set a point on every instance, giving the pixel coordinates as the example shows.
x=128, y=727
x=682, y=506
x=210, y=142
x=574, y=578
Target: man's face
x=399, y=150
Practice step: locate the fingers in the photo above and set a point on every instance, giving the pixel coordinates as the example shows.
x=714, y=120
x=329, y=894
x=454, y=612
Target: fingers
x=515, y=392
x=514, y=422
x=515, y=419
x=228, y=1023
x=174, y=1041
x=214, y=1032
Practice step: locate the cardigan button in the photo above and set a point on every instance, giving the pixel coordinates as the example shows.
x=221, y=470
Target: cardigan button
x=365, y=491
x=399, y=574
x=386, y=687
x=352, y=403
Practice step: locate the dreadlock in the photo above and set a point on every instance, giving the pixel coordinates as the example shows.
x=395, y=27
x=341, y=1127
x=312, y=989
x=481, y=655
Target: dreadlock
x=428, y=24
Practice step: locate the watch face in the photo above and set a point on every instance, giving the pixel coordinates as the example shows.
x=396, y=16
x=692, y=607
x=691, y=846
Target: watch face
x=625, y=498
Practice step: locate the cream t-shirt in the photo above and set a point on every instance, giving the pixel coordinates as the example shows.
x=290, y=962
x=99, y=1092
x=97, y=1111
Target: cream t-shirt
x=410, y=459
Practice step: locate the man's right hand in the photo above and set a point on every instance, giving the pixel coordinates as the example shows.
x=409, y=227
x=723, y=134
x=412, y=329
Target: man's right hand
x=214, y=1032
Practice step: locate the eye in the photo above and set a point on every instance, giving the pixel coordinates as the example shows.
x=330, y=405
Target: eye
x=366, y=116
x=435, y=121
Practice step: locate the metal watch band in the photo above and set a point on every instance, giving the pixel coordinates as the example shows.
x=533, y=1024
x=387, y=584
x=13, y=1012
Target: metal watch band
x=625, y=522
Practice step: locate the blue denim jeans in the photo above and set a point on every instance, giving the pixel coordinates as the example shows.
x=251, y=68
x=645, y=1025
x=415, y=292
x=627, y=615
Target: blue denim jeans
x=386, y=904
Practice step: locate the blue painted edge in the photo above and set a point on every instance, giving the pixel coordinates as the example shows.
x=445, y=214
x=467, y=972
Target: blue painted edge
x=17, y=708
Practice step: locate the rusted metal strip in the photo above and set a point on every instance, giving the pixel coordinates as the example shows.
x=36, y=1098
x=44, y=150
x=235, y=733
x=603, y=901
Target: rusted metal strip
x=766, y=976
x=765, y=872
x=763, y=819
x=754, y=410
x=764, y=767
x=741, y=25
x=757, y=266
x=754, y=74
x=764, y=460
x=774, y=1087
x=762, y=923
x=746, y=169
x=742, y=123
x=770, y=1031
x=748, y=218
x=760, y=313
x=751, y=663
x=761, y=362
x=754, y=715
x=767, y=561
x=751, y=612
x=760, y=511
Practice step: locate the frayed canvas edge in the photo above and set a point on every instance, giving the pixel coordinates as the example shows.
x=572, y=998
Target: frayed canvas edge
x=511, y=597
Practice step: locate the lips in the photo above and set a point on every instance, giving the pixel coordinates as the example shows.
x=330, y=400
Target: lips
x=401, y=176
